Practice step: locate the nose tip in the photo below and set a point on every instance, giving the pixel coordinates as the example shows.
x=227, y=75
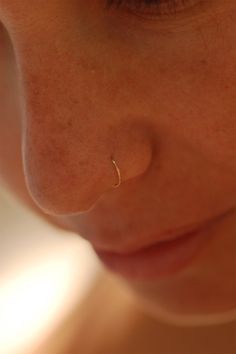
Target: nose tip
x=72, y=182
x=67, y=188
x=64, y=208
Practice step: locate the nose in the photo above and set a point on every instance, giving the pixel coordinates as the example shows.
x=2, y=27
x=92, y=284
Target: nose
x=67, y=173
x=70, y=132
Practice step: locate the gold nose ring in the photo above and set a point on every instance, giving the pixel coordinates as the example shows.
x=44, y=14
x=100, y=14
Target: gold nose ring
x=118, y=173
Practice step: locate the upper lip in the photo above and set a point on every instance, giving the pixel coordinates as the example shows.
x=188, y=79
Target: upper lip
x=169, y=235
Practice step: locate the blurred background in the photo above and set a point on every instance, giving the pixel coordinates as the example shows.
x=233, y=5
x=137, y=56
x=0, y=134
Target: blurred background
x=44, y=272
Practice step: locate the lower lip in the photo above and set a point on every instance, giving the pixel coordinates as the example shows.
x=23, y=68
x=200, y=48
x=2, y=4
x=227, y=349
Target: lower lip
x=161, y=260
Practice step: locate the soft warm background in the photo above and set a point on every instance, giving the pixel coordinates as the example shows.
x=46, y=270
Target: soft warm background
x=43, y=274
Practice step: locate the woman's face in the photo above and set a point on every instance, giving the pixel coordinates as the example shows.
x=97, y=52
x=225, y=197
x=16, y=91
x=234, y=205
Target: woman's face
x=152, y=87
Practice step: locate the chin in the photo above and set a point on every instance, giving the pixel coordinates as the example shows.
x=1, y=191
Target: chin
x=189, y=305
x=179, y=319
x=181, y=315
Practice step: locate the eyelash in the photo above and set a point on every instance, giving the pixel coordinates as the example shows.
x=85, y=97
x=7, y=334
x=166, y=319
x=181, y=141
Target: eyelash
x=156, y=7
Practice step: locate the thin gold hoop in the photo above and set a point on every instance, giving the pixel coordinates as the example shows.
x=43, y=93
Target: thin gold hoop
x=118, y=173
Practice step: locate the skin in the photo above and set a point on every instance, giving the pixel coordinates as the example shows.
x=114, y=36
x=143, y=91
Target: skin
x=79, y=83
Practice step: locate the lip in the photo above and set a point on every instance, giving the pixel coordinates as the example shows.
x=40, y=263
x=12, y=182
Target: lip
x=168, y=235
x=162, y=259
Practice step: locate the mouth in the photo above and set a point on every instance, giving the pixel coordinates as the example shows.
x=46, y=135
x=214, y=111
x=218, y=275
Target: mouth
x=169, y=235
x=164, y=238
x=163, y=258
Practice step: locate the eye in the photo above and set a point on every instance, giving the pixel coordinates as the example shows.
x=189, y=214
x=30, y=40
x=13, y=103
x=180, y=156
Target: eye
x=153, y=7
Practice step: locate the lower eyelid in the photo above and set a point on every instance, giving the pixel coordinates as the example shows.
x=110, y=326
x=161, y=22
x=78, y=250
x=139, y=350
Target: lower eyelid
x=155, y=9
x=199, y=15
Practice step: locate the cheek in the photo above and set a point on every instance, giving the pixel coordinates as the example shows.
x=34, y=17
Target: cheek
x=191, y=95
x=204, y=110
x=208, y=116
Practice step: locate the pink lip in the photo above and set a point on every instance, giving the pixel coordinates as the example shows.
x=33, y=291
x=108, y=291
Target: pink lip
x=157, y=261
x=162, y=259
x=169, y=235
